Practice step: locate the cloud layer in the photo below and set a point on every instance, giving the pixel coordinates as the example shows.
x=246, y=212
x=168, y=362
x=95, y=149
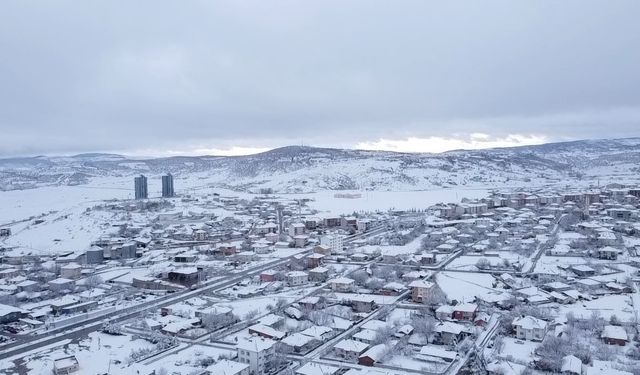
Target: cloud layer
x=167, y=78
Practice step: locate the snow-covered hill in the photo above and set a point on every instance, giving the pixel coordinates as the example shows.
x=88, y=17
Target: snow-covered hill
x=300, y=169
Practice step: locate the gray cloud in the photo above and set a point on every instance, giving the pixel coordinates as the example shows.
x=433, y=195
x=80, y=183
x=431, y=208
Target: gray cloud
x=152, y=75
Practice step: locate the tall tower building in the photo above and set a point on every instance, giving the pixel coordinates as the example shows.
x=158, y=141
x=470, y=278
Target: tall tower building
x=141, y=187
x=167, y=186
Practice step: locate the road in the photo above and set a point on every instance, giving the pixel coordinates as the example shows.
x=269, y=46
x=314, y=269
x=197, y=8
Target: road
x=542, y=246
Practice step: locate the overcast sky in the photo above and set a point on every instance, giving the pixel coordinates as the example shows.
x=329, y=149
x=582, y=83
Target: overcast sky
x=213, y=77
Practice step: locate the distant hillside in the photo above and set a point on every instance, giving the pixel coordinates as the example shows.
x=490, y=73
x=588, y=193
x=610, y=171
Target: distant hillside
x=297, y=169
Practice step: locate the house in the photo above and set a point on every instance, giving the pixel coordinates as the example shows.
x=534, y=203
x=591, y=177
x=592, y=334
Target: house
x=296, y=278
x=373, y=355
x=614, y=335
x=28, y=286
x=421, y=290
x=293, y=313
x=268, y=276
x=341, y=284
x=10, y=314
x=79, y=307
x=227, y=367
x=583, y=270
x=266, y=228
x=256, y=352
x=414, y=275
x=561, y=298
x=186, y=257
x=315, y=260
x=481, y=319
x=350, y=349
x=444, y=312
x=618, y=288
x=530, y=328
x=320, y=333
x=318, y=274
x=300, y=241
x=266, y=332
x=465, y=311
x=271, y=238
x=186, y=276
x=66, y=365
x=310, y=303
x=606, y=238
x=449, y=333
x=317, y=369
x=271, y=320
x=297, y=343
x=9, y=273
x=607, y=252
x=362, y=303
x=332, y=222
x=428, y=259
x=432, y=353
x=404, y=330
x=217, y=316
x=392, y=289
x=296, y=229
x=179, y=326
x=619, y=213
x=322, y=249
x=366, y=336
x=587, y=284
x=312, y=223
x=226, y=249
x=556, y=286
x=332, y=241
x=571, y=365
x=71, y=271
x=61, y=284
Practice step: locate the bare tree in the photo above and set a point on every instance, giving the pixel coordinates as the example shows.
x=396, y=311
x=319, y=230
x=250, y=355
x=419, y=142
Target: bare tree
x=215, y=321
x=483, y=264
x=93, y=281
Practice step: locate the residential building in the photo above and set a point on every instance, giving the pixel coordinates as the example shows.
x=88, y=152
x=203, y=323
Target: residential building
x=530, y=328
x=266, y=332
x=71, y=271
x=257, y=353
x=10, y=314
x=421, y=290
x=332, y=241
x=61, y=284
x=227, y=367
x=186, y=276
x=318, y=274
x=341, y=284
x=350, y=349
x=312, y=368
x=373, y=355
x=167, y=186
x=296, y=278
x=140, y=184
x=615, y=335
x=465, y=311
x=66, y=365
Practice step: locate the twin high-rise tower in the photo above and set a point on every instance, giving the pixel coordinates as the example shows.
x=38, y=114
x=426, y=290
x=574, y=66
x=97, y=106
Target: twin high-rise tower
x=141, y=191
x=167, y=186
x=140, y=183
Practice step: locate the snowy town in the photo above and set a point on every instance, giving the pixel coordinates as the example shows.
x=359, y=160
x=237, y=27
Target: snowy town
x=520, y=282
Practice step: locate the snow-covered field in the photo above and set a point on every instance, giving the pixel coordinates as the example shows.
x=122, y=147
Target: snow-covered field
x=465, y=286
